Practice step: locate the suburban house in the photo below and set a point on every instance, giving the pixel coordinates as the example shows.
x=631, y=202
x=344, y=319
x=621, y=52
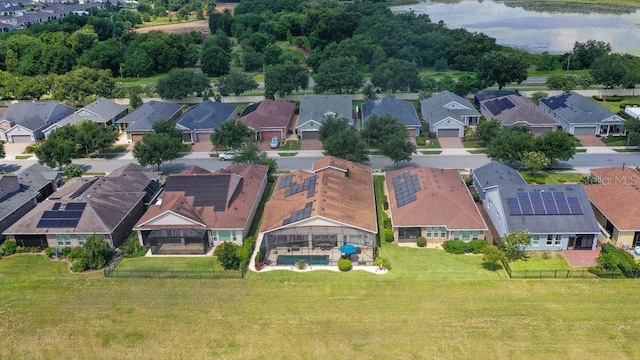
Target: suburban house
x=633, y=111
x=25, y=121
x=315, y=215
x=315, y=108
x=200, y=210
x=579, y=115
x=400, y=109
x=102, y=111
x=141, y=120
x=513, y=110
x=490, y=94
x=615, y=200
x=199, y=122
x=22, y=192
x=558, y=217
x=269, y=118
x=105, y=206
x=432, y=203
x=447, y=114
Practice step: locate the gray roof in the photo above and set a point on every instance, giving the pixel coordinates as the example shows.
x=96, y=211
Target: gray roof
x=496, y=173
x=577, y=109
x=143, y=118
x=100, y=111
x=443, y=105
x=208, y=115
x=546, y=224
x=317, y=107
x=109, y=200
x=36, y=115
x=514, y=109
x=400, y=109
x=32, y=179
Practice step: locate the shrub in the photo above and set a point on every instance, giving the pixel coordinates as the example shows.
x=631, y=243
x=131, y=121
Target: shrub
x=49, y=251
x=546, y=255
x=616, y=260
x=9, y=247
x=66, y=251
x=227, y=254
x=301, y=265
x=382, y=263
x=27, y=249
x=387, y=223
x=476, y=197
x=476, y=246
x=388, y=235
x=73, y=171
x=344, y=264
x=454, y=246
x=246, y=250
x=131, y=247
x=421, y=241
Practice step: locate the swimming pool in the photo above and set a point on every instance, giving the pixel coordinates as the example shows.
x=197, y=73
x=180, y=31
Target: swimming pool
x=310, y=259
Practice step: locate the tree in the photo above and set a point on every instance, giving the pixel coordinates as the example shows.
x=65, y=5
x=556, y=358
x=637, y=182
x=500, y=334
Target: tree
x=586, y=53
x=488, y=129
x=3, y=153
x=161, y=145
x=227, y=254
x=271, y=54
x=499, y=68
x=137, y=64
x=535, y=161
x=252, y=60
x=283, y=79
x=93, y=137
x=398, y=147
x=338, y=75
x=369, y=92
x=509, y=145
x=536, y=96
x=231, y=134
x=556, y=145
x=98, y=252
x=632, y=127
x=104, y=55
x=614, y=70
x=250, y=154
x=135, y=101
x=78, y=84
x=73, y=170
x=59, y=147
x=331, y=126
x=492, y=257
x=378, y=127
x=179, y=83
x=513, y=244
x=32, y=87
x=236, y=83
x=397, y=75
x=214, y=60
x=346, y=143
x=83, y=39
x=220, y=21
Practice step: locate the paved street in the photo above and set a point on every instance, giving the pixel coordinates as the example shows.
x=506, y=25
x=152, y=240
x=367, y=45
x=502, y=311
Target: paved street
x=581, y=162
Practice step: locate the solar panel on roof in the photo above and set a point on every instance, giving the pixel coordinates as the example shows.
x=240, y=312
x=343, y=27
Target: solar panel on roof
x=525, y=203
x=56, y=206
x=286, y=181
x=549, y=203
x=574, y=205
x=536, y=203
x=405, y=186
x=75, y=206
x=561, y=202
x=514, y=206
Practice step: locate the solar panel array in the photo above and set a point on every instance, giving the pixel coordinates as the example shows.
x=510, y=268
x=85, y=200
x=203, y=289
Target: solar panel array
x=150, y=190
x=66, y=218
x=293, y=188
x=544, y=203
x=207, y=190
x=406, y=186
x=298, y=215
x=498, y=105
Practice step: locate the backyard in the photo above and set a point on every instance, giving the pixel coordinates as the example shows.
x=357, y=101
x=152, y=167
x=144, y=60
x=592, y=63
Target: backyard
x=458, y=309
x=552, y=178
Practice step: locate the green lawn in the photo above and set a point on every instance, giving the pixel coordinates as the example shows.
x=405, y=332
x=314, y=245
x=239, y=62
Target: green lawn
x=424, y=143
x=431, y=152
x=552, y=178
x=620, y=141
x=473, y=144
x=536, y=260
x=290, y=145
x=431, y=305
x=170, y=263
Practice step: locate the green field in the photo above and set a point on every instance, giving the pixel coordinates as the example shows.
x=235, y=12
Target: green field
x=535, y=260
x=431, y=305
x=552, y=178
x=170, y=263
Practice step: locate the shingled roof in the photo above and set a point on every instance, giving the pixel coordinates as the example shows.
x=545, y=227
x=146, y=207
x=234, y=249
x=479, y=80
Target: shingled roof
x=143, y=118
x=514, y=109
x=400, y=109
x=617, y=196
x=208, y=115
x=268, y=114
x=37, y=115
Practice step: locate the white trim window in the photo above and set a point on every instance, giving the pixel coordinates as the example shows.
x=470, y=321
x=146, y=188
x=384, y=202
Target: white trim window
x=558, y=240
x=550, y=240
x=535, y=240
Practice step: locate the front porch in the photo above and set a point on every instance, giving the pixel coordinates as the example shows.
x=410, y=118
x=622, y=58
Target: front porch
x=611, y=129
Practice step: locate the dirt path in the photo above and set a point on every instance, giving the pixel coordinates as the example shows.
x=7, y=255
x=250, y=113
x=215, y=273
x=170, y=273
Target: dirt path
x=178, y=28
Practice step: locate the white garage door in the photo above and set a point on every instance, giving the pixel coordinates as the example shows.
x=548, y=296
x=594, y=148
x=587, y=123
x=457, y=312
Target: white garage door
x=588, y=130
x=448, y=133
x=21, y=138
x=310, y=134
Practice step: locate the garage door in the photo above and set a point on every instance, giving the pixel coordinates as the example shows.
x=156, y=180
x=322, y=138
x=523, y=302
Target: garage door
x=448, y=133
x=136, y=137
x=21, y=138
x=589, y=130
x=203, y=136
x=268, y=135
x=310, y=135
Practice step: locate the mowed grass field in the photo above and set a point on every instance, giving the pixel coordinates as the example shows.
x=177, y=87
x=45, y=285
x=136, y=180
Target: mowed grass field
x=432, y=305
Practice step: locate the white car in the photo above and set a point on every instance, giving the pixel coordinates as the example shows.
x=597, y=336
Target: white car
x=228, y=155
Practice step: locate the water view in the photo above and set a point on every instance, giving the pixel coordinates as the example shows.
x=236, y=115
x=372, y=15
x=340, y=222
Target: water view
x=537, y=31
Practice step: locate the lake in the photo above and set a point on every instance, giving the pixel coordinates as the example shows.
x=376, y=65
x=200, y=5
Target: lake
x=537, y=31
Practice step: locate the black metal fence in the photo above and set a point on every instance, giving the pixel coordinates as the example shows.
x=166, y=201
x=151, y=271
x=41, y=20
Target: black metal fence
x=562, y=274
x=111, y=265
x=177, y=274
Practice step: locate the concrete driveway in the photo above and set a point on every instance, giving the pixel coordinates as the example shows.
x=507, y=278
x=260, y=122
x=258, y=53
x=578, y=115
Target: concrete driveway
x=450, y=143
x=13, y=149
x=202, y=146
x=311, y=144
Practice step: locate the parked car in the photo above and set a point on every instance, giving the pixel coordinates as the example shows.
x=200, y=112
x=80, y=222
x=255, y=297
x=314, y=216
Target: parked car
x=275, y=142
x=228, y=155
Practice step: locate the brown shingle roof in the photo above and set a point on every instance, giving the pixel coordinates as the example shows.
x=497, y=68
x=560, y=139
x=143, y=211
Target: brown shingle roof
x=269, y=114
x=343, y=193
x=235, y=216
x=443, y=199
x=617, y=196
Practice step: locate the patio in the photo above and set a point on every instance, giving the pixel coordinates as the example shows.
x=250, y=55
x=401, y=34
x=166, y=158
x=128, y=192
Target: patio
x=285, y=256
x=582, y=258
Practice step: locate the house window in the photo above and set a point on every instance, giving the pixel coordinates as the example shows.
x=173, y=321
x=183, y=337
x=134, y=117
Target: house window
x=443, y=232
x=466, y=235
x=535, y=240
x=81, y=240
x=408, y=233
x=475, y=234
x=549, y=240
x=224, y=235
x=234, y=234
x=214, y=235
x=456, y=235
x=63, y=240
x=558, y=240
x=429, y=233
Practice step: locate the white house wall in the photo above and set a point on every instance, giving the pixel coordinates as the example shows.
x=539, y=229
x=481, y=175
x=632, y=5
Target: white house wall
x=493, y=204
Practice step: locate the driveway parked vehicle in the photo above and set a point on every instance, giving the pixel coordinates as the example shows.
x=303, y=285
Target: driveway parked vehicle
x=228, y=155
x=275, y=142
